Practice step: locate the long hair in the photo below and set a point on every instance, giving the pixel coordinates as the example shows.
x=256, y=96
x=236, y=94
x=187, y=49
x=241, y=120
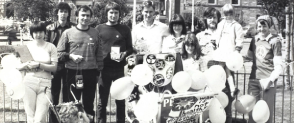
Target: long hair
x=210, y=12
x=63, y=6
x=177, y=19
x=191, y=38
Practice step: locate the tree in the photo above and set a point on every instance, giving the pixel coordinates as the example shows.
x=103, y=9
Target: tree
x=34, y=9
x=99, y=10
x=275, y=8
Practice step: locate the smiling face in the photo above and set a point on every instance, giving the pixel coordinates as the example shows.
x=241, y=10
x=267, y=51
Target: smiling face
x=263, y=28
x=177, y=28
x=212, y=21
x=62, y=14
x=189, y=46
x=148, y=14
x=84, y=17
x=113, y=16
x=39, y=35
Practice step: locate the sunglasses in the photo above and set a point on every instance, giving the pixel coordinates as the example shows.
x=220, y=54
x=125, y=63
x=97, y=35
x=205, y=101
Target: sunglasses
x=147, y=3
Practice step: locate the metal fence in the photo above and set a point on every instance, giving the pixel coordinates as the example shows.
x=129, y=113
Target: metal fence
x=13, y=111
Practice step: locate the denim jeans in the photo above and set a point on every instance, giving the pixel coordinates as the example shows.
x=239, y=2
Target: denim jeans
x=254, y=88
x=36, y=104
x=108, y=76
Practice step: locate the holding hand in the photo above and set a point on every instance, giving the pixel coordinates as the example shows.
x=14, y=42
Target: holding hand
x=33, y=64
x=265, y=83
x=76, y=58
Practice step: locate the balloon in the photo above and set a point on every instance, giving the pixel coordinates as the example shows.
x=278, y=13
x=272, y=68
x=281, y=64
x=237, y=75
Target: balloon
x=260, y=112
x=181, y=81
x=16, y=92
x=142, y=74
x=122, y=88
x=216, y=78
x=198, y=79
x=147, y=107
x=11, y=77
x=9, y=61
x=223, y=99
x=245, y=104
x=216, y=113
x=234, y=61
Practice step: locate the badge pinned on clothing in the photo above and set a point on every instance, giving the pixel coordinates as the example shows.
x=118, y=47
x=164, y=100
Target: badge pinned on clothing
x=117, y=36
x=90, y=39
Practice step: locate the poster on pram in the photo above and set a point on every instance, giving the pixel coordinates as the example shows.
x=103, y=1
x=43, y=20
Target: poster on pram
x=163, y=66
x=184, y=109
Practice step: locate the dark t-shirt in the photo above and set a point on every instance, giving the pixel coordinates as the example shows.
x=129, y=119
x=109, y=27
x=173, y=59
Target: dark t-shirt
x=115, y=35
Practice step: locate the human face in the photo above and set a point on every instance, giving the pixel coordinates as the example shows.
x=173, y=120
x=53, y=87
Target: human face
x=177, y=28
x=148, y=14
x=263, y=28
x=39, y=35
x=62, y=14
x=212, y=22
x=189, y=46
x=229, y=17
x=84, y=18
x=113, y=16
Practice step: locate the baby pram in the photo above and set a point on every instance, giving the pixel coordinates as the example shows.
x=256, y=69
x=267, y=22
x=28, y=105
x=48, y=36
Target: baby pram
x=56, y=108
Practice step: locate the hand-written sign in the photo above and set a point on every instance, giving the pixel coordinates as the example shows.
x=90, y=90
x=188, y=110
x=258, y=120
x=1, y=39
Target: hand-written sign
x=185, y=109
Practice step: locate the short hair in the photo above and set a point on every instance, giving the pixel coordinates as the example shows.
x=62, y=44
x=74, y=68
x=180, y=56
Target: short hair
x=148, y=3
x=228, y=9
x=64, y=6
x=191, y=38
x=37, y=26
x=84, y=8
x=177, y=19
x=112, y=5
x=210, y=12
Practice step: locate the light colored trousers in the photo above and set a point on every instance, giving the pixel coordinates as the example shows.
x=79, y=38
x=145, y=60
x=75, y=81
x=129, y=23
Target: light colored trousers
x=36, y=104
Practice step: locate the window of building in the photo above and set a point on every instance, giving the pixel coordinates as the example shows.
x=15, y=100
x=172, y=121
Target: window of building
x=235, y=2
x=211, y=2
x=258, y=2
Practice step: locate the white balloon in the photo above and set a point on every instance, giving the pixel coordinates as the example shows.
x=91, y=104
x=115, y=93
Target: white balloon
x=199, y=80
x=16, y=92
x=216, y=78
x=217, y=113
x=245, y=104
x=260, y=112
x=142, y=74
x=147, y=107
x=9, y=61
x=223, y=99
x=181, y=82
x=234, y=61
x=11, y=77
x=122, y=88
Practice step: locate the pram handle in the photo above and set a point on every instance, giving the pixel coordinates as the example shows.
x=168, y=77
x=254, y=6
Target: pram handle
x=53, y=107
x=73, y=85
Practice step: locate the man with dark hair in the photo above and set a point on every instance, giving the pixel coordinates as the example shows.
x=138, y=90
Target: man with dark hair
x=147, y=36
x=206, y=38
x=53, y=34
x=113, y=35
x=81, y=49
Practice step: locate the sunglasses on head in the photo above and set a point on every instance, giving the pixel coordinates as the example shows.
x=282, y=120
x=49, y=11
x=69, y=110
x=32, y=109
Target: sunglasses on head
x=147, y=3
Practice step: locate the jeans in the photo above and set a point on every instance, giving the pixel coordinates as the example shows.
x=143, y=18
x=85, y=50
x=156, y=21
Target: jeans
x=254, y=88
x=89, y=90
x=108, y=76
x=59, y=76
x=36, y=104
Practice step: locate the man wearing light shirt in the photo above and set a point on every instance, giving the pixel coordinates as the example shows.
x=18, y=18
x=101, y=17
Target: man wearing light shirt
x=147, y=36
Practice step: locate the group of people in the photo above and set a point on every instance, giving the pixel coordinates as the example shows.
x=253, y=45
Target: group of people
x=76, y=55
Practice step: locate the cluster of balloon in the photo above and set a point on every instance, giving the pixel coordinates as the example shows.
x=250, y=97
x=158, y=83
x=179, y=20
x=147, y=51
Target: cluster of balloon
x=122, y=88
x=199, y=80
x=216, y=78
x=245, y=104
x=146, y=108
x=12, y=77
x=181, y=82
x=216, y=112
x=142, y=74
x=234, y=61
x=223, y=99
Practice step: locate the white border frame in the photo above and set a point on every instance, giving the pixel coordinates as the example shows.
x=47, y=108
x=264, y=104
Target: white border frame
x=239, y=3
x=215, y=2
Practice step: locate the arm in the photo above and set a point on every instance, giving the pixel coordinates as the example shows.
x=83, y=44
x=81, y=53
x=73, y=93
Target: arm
x=239, y=37
x=129, y=43
x=250, y=52
x=99, y=54
x=278, y=61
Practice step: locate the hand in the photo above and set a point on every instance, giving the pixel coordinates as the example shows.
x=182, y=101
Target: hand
x=265, y=83
x=33, y=64
x=115, y=56
x=76, y=58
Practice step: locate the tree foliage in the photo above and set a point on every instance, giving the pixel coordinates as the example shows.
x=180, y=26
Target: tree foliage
x=42, y=9
x=99, y=10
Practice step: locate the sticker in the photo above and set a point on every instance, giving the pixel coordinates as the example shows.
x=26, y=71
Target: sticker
x=158, y=79
x=170, y=58
x=151, y=59
x=169, y=73
x=159, y=64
